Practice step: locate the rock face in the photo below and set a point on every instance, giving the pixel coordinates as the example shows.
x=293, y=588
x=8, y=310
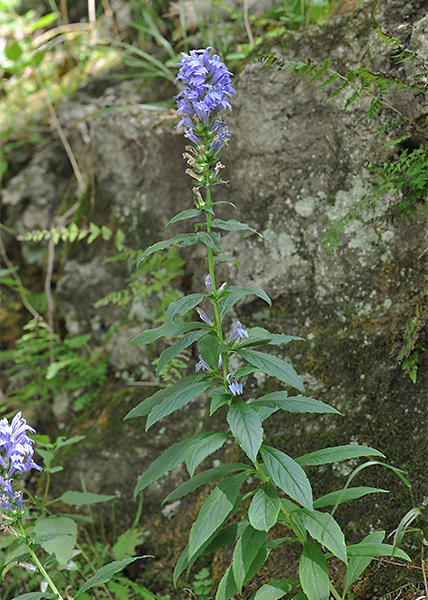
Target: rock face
x=295, y=164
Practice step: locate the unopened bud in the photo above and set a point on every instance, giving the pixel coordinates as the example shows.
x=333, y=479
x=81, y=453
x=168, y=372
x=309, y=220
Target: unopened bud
x=190, y=159
x=218, y=167
x=222, y=288
x=193, y=174
x=199, y=201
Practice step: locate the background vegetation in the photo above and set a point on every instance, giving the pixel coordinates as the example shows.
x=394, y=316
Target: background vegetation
x=47, y=50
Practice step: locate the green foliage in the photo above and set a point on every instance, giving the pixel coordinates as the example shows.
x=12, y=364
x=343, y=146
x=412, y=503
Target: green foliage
x=44, y=366
x=401, y=184
x=152, y=278
x=202, y=583
x=414, y=345
x=72, y=233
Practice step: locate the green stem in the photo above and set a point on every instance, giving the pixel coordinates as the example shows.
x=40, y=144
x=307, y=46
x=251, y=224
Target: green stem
x=39, y=564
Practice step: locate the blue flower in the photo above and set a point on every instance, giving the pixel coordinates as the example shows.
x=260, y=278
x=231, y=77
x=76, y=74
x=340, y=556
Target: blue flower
x=16, y=457
x=234, y=386
x=16, y=448
x=204, y=316
x=208, y=284
x=239, y=332
x=207, y=86
x=202, y=365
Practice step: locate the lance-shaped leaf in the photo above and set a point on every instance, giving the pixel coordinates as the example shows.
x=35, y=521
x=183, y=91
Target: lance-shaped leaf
x=246, y=550
x=171, y=352
x=274, y=590
x=336, y=454
x=209, y=350
x=344, y=495
x=322, y=527
x=313, y=573
x=209, y=476
x=36, y=596
x=236, y=293
x=176, y=401
x=211, y=240
x=374, y=549
x=273, y=366
x=147, y=405
x=183, y=305
x=105, y=574
x=294, y=404
x=246, y=427
x=223, y=536
x=185, y=214
x=167, y=329
x=264, y=508
x=257, y=336
x=227, y=586
x=358, y=564
x=215, y=511
x=168, y=460
x=80, y=498
x=183, y=239
x=288, y=475
x=203, y=448
x=233, y=225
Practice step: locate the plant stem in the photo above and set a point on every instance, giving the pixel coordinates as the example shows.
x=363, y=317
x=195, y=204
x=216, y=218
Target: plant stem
x=39, y=564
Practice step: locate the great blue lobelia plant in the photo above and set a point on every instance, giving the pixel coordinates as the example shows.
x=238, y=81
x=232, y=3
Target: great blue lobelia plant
x=280, y=491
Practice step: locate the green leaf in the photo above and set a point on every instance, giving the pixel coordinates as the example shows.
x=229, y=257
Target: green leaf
x=217, y=507
x=209, y=476
x=336, y=454
x=184, y=305
x=246, y=550
x=168, y=460
x=106, y=573
x=264, y=508
x=358, y=564
x=183, y=239
x=35, y=596
x=294, y=404
x=176, y=401
x=257, y=336
x=313, y=573
x=221, y=258
x=226, y=536
x=147, y=405
x=227, y=586
x=185, y=214
x=13, y=51
x=273, y=366
x=167, y=329
x=323, y=528
x=274, y=590
x=65, y=532
x=233, y=225
x=170, y=353
x=246, y=427
x=79, y=498
x=373, y=550
x=345, y=495
x=236, y=293
x=211, y=240
x=218, y=398
x=126, y=544
x=288, y=475
x=203, y=448
x=209, y=350
x=222, y=537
